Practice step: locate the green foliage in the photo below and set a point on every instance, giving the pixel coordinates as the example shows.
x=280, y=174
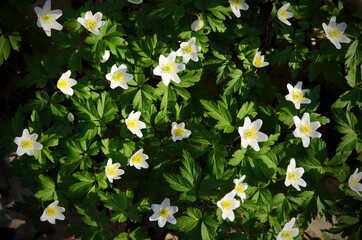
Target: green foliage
x=215, y=96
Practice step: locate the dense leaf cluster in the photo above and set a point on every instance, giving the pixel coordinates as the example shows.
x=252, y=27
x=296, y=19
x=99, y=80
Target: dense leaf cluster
x=214, y=97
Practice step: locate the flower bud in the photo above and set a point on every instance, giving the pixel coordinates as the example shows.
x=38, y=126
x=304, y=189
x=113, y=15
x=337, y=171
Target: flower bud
x=197, y=25
x=70, y=117
x=105, y=56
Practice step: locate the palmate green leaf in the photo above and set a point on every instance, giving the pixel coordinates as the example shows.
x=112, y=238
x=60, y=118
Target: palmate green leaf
x=354, y=54
x=81, y=188
x=4, y=49
x=107, y=109
x=216, y=24
x=219, y=112
x=191, y=171
x=350, y=99
x=143, y=98
x=177, y=182
x=47, y=188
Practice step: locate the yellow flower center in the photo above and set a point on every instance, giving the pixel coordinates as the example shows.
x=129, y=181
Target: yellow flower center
x=91, y=23
x=63, y=83
x=355, y=181
x=250, y=133
x=283, y=13
x=47, y=18
x=188, y=50
x=336, y=32
x=306, y=129
x=169, y=68
x=237, y=3
x=164, y=212
x=294, y=176
x=287, y=235
x=132, y=123
x=258, y=61
x=240, y=188
x=27, y=144
x=51, y=211
x=112, y=171
x=137, y=159
x=227, y=204
x=178, y=132
x=297, y=95
x=118, y=77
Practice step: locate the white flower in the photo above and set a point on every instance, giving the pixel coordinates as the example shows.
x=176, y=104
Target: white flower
x=112, y=171
x=258, y=61
x=168, y=69
x=240, y=187
x=119, y=77
x=227, y=204
x=296, y=95
x=47, y=17
x=138, y=160
x=134, y=125
x=92, y=23
x=27, y=143
x=52, y=212
x=163, y=213
x=105, y=56
x=179, y=132
x=306, y=129
x=250, y=134
x=288, y=232
x=353, y=182
x=283, y=14
x=135, y=1
x=335, y=32
x=237, y=5
x=189, y=50
x=197, y=25
x=65, y=83
x=294, y=176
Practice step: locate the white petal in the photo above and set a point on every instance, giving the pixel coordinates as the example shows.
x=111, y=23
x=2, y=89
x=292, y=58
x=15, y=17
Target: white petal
x=256, y=124
x=261, y=137
x=171, y=219
x=154, y=217
x=175, y=78
x=158, y=71
x=88, y=15
x=20, y=151
x=161, y=222
x=254, y=144
x=305, y=141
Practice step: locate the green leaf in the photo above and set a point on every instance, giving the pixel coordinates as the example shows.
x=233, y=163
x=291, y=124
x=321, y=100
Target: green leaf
x=219, y=112
x=47, y=188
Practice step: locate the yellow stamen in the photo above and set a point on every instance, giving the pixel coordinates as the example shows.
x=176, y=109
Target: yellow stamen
x=91, y=23
x=47, y=18
x=51, y=211
x=287, y=235
x=132, y=123
x=137, y=159
x=118, y=77
x=297, y=95
x=250, y=133
x=355, y=181
x=283, y=14
x=306, y=129
x=63, y=83
x=237, y=3
x=258, y=61
x=294, y=176
x=240, y=188
x=164, y=212
x=178, y=132
x=112, y=171
x=27, y=144
x=227, y=204
x=169, y=68
x=335, y=32
x=188, y=50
